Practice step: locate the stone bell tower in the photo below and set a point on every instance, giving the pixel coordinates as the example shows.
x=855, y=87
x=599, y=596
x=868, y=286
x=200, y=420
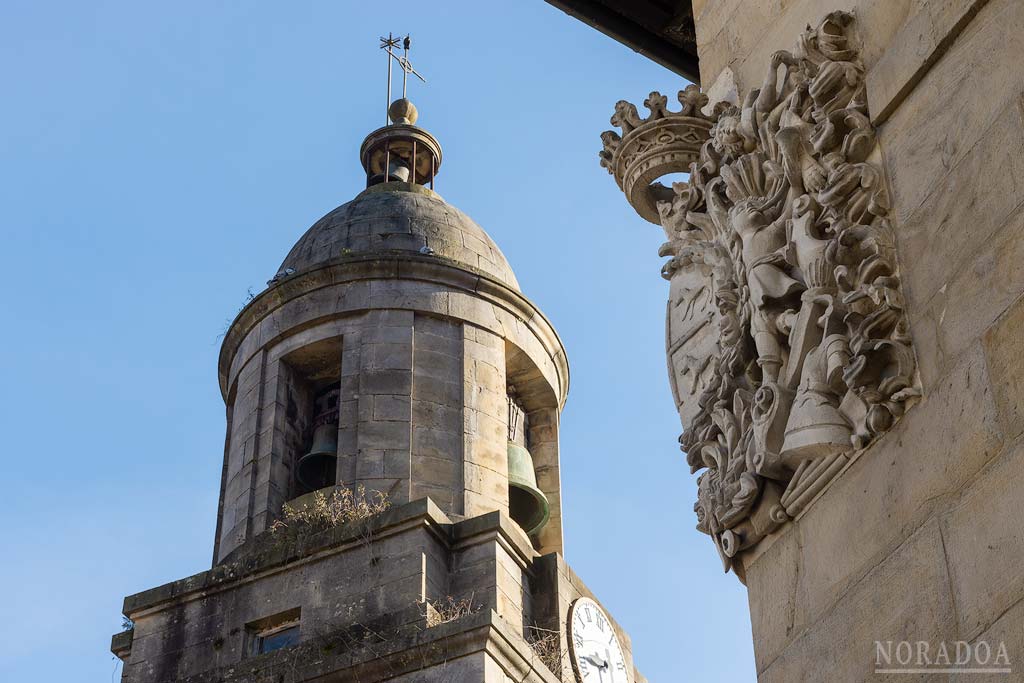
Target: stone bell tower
x=394, y=352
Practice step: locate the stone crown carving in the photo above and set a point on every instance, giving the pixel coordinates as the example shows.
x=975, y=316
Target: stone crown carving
x=784, y=223
x=651, y=147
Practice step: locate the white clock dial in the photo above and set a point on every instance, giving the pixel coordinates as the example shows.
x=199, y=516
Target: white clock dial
x=593, y=646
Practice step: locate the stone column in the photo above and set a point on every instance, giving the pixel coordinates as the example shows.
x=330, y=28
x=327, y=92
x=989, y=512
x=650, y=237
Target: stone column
x=383, y=432
x=485, y=436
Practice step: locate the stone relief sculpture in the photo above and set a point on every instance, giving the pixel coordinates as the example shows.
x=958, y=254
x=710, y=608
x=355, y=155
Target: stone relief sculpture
x=784, y=220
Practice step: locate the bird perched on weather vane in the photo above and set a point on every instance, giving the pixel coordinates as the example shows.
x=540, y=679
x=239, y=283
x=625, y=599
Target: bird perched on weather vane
x=389, y=45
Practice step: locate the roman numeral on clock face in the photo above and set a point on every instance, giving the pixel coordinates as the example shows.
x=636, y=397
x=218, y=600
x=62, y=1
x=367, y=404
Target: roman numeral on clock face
x=596, y=652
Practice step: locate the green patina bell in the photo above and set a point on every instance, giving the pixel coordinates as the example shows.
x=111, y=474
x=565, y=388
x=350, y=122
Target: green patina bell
x=527, y=504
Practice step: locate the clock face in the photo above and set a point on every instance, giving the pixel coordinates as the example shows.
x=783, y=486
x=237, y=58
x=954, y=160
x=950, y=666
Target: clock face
x=593, y=646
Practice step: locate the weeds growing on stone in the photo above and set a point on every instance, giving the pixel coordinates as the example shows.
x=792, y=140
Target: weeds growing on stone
x=447, y=610
x=546, y=644
x=342, y=506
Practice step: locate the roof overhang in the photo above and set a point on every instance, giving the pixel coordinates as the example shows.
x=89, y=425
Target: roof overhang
x=661, y=30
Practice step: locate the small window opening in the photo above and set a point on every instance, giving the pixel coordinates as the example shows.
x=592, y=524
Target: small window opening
x=273, y=633
x=277, y=639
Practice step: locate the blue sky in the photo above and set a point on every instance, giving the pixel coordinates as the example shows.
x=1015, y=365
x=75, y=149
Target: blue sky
x=157, y=160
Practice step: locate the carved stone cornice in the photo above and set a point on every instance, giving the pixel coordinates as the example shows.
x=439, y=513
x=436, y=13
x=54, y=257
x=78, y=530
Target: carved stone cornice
x=781, y=240
x=357, y=272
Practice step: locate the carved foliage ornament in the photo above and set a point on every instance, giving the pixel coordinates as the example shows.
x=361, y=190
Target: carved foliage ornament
x=785, y=218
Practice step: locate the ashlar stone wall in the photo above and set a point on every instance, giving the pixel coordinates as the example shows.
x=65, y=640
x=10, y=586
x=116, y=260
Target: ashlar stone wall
x=362, y=595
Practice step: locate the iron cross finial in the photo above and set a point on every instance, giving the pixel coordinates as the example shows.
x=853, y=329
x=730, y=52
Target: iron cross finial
x=389, y=44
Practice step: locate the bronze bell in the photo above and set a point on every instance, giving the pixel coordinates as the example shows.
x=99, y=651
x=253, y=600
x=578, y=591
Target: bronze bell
x=318, y=468
x=527, y=504
x=398, y=171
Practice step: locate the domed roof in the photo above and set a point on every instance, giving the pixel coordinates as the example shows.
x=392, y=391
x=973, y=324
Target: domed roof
x=400, y=217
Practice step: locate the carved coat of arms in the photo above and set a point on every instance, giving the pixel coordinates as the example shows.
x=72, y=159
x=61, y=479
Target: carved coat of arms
x=788, y=344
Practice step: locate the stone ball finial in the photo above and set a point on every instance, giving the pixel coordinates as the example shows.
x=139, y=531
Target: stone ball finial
x=403, y=111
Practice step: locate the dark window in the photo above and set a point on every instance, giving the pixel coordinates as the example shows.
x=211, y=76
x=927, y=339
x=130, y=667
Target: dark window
x=273, y=633
x=275, y=640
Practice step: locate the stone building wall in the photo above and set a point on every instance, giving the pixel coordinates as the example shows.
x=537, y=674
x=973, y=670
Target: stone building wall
x=358, y=594
x=919, y=538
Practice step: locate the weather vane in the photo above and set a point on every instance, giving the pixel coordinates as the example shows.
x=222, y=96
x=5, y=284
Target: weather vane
x=390, y=44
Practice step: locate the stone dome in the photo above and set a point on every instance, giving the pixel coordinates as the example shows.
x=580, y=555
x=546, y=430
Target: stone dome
x=396, y=217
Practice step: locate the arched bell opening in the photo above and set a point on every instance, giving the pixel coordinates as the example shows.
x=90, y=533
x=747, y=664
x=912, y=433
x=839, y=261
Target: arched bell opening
x=528, y=506
x=308, y=395
x=534, y=481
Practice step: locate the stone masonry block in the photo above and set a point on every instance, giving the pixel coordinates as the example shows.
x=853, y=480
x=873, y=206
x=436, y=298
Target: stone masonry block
x=348, y=441
x=488, y=427
x=387, y=356
x=388, y=408
x=487, y=400
x=434, y=471
x=488, y=483
x=982, y=534
x=486, y=375
x=442, y=328
x=370, y=464
x=387, y=334
x=772, y=594
x=393, y=382
x=1008, y=631
x=905, y=597
x=390, y=317
x=437, y=416
x=926, y=138
x=1003, y=343
x=983, y=289
x=384, y=435
x=397, y=464
x=444, y=496
x=490, y=455
x=408, y=294
x=964, y=215
x=436, y=443
x=488, y=348
x=438, y=364
x=438, y=391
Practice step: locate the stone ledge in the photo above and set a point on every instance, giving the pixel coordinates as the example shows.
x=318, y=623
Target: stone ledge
x=268, y=553
x=121, y=643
